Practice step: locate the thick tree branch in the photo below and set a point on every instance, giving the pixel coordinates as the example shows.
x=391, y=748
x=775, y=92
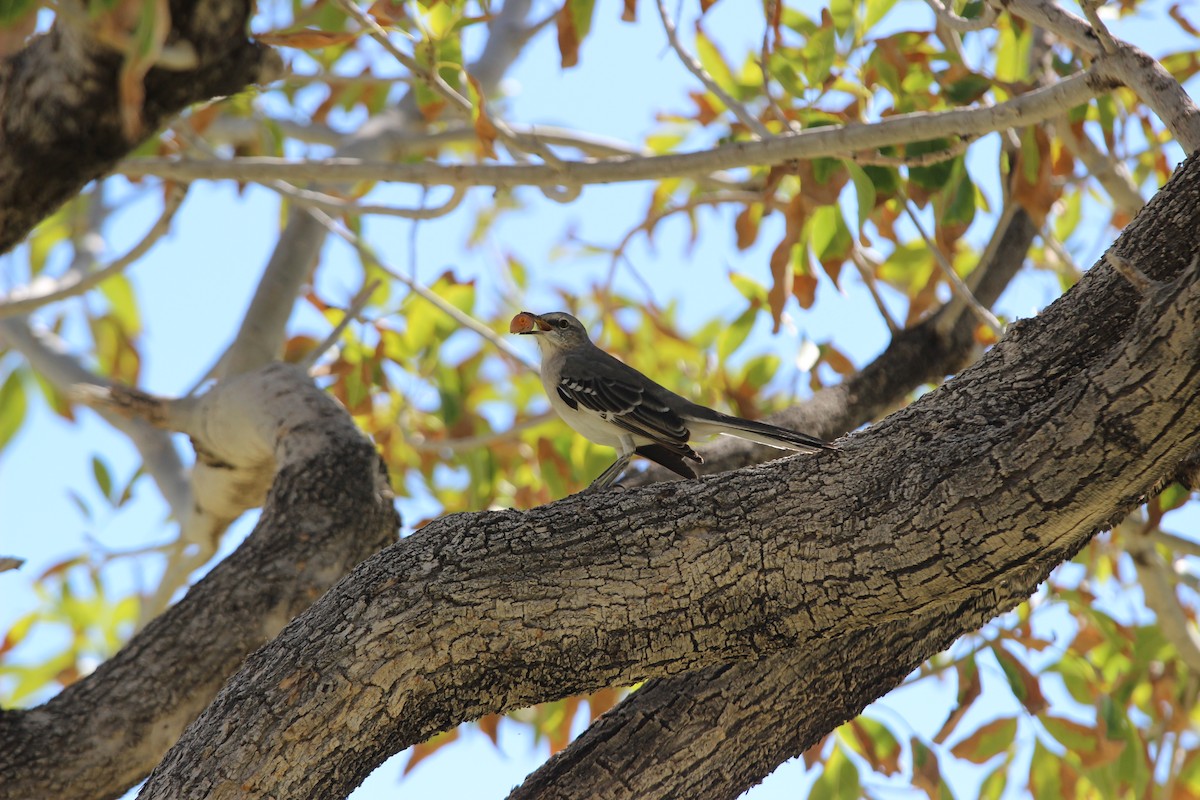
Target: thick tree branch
x=961, y=502
x=764, y=710
x=60, y=117
x=329, y=508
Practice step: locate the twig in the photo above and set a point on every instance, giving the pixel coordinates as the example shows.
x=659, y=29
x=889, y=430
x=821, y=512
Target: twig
x=1111, y=173
x=877, y=159
x=1149, y=79
x=1176, y=542
x=467, y=443
x=960, y=289
x=435, y=81
x=39, y=293
x=337, y=205
x=1091, y=10
x=960, y=24
x=353, y=311
x=840, y=141
x=466, y=320
x=859, y=258
x=696, y=68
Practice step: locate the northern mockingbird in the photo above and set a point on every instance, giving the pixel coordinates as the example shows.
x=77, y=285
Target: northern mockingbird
x=613, y=404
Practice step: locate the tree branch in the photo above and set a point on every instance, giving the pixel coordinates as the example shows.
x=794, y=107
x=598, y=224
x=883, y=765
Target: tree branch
x=329, y=508
x=485, y=612
x=841, y=141
x=60, y=119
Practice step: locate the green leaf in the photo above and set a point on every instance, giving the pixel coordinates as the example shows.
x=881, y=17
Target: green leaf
x=734, y=335
x=749, y=288
x=842, y=12
x=839, y=780
x=931, y=176
x=714, y=63
x=102, y=475
x=13, y=11
x=989, y=741
x=13, y=406
x=877, y=10
x=123, y=303
x=864, y=191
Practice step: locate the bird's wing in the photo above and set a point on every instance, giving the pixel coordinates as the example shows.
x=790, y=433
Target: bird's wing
x=625, y=398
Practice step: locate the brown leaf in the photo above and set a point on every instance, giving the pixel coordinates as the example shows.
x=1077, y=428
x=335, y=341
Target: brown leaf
x=601, y=701
x=969, y=688
x=1033, y=182
x=388, y=12
x=804, y=288
x=490, y=725
x=746, y=226
x=1024, y=684
x=424, y=750
x=836, y=359
x=485, y=131
x=306, y=38
x=629, y=13
x=781, y=259
x=568, y=37
x=14, y=34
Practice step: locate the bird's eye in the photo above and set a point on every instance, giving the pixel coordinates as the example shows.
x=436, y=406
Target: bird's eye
x=562, y=323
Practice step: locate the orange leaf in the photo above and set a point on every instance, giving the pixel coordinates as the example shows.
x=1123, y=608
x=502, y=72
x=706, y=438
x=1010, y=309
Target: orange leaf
x=629, y=13
x=601, y=701
x=746, y=226
x=484, y=129
x=490, y=725
x=388, y=12
x=306, y=38
x=422, y=751
x=568, y=37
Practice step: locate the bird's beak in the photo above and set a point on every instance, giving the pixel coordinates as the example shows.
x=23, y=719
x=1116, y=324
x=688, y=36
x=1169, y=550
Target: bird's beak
x=528, y=323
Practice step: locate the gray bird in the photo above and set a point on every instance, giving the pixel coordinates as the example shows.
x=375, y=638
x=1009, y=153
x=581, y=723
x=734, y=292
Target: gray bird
x=613, y=404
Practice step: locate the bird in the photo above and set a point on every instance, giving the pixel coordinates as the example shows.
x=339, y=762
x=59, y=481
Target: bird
x=611, y=403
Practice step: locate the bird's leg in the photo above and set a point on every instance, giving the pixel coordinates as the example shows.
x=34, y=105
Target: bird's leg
x=613, y=473
x=610, y=475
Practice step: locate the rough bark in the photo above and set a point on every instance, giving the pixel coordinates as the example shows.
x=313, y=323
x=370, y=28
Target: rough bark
x=325, y=513
x=951, y=510
x=721, y=731
x=60, y=124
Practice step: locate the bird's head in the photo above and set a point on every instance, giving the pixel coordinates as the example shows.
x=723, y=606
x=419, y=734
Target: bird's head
x=556, y=330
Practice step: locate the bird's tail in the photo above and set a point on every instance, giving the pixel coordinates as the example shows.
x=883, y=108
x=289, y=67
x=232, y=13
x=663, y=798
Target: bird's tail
x=760, y=432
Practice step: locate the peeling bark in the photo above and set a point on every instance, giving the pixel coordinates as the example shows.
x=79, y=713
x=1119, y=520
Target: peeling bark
x=920, y=529
x=60, y=123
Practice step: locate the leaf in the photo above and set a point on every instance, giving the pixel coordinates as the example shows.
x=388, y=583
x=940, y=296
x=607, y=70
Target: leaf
x=574, y=21
x=734, y=335
x=102, y=475
x=989, y=741
x=746, y=225
x=118, y=290
x=839, y=779
x=969, y=688
x=309, y=38
x=877, y=745
x=485, y=131
x=1024, y=684
x=13, y=406
x=713, y=62
x=926, y=773
x=864, y=191
x=420, y=752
